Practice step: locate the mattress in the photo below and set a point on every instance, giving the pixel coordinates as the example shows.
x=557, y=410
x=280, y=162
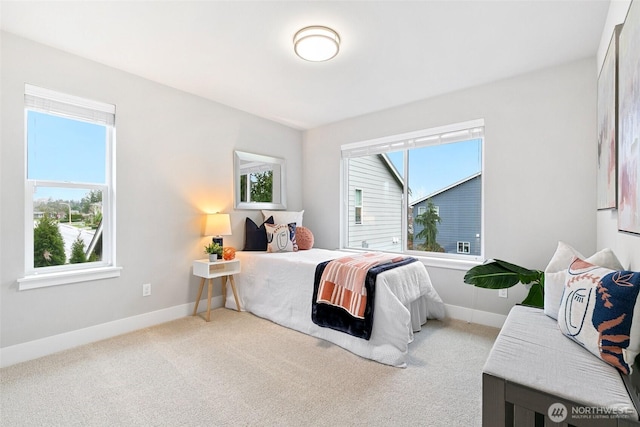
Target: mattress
x=279, y=287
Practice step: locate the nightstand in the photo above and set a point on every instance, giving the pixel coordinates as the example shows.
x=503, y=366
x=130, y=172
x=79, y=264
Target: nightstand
x=210, y=270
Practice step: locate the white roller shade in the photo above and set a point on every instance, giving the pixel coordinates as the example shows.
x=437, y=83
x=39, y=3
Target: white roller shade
x=53, y=102
x=441, y=135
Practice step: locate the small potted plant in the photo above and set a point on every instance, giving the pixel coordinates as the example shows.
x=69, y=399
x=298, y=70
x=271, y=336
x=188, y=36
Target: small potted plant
x=214, y=250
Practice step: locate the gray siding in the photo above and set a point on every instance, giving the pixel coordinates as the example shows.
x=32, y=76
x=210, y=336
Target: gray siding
x=460, y=215
x=381, y=205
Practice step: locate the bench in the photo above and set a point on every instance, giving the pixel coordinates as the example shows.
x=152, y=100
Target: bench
x=535, y=376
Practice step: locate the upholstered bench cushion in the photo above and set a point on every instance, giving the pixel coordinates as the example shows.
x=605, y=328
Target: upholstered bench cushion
x=530, y=350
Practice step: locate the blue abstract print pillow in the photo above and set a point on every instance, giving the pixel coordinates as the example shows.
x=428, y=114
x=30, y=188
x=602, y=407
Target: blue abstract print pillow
x=599, y=311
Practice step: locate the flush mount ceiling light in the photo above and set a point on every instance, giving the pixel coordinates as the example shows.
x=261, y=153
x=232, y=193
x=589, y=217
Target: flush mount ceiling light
x=316, y=43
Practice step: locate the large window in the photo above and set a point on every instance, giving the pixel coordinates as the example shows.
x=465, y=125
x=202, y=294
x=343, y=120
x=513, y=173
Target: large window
x=69, y=220
x=425, y=192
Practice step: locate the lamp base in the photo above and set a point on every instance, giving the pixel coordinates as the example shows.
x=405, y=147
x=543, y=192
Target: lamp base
x=217, y=240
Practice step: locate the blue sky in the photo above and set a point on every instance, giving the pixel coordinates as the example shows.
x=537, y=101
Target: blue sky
x=435, y=167
x=62, y=149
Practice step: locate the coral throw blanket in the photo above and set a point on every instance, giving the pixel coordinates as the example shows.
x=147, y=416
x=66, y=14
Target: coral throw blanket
x=343, y=281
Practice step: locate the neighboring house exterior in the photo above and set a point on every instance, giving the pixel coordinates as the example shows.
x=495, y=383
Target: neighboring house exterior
x=375, y=204
x=459, y=208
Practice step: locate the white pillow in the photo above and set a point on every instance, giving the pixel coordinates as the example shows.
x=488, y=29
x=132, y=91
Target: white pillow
x=281, y=237
x=284, y=217
x=555, y=275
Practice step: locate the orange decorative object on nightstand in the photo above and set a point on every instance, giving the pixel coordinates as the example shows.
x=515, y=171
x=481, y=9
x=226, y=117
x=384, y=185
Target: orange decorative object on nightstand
x=228, y=253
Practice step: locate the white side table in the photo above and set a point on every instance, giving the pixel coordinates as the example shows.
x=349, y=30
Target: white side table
x=210, y=270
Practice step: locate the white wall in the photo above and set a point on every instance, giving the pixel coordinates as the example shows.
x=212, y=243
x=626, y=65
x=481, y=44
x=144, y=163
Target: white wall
x=174, y=162
x=626, y=246
x=540, y=157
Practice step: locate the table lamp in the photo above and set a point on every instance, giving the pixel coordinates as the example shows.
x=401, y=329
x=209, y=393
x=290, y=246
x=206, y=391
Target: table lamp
x=217, y=225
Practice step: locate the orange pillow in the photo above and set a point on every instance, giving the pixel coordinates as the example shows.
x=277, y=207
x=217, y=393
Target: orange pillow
x=304, y=238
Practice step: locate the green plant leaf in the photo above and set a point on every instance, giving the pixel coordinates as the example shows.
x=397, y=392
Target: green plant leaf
x=525, y=275
x=491, y=275
x=498, y=274
x=535, y=297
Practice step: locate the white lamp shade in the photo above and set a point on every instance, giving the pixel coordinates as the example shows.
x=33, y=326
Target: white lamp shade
x=217, y=225
x=316, y=43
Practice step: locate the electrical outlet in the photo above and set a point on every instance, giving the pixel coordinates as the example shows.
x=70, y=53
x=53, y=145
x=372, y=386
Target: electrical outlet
x=502, y=293
x=146, y=289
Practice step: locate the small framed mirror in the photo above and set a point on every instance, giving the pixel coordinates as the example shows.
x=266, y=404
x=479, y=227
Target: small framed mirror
x=259, y=181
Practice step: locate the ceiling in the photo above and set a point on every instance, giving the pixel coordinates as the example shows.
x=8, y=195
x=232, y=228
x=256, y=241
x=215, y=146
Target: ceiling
x=240, y=53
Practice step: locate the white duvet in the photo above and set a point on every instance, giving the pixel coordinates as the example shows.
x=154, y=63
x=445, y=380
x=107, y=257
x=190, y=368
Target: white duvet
x=279, y=287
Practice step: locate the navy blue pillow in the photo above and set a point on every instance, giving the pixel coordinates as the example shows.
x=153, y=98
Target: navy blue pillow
x=255, y=238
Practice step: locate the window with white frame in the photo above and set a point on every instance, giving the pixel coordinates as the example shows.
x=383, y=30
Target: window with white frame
x=358, y=206
x=425, y=186
x=70, y=205
x=464, y=247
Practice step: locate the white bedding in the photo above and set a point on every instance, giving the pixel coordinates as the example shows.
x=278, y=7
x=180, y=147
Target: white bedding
x=279, y=287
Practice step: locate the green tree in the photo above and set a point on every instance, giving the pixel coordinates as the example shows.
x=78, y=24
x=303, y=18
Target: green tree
x=78, y=251
x=429, y=221
x=48, y=246
x=262, y=187
x=243, y=188
x=95, y=222
x=92, y=197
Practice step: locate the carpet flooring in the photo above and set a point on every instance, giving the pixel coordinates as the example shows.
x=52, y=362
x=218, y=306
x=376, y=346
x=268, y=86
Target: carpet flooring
x=242, y=370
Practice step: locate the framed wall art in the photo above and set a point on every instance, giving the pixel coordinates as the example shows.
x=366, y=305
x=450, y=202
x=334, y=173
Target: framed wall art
x=607, y=189
x=629, y=122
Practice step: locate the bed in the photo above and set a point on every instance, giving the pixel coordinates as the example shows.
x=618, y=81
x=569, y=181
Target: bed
x=280, y=286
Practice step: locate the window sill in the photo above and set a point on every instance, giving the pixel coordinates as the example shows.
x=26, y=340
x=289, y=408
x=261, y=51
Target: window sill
x=433, y=261
x=67, y=277
x=448, y=263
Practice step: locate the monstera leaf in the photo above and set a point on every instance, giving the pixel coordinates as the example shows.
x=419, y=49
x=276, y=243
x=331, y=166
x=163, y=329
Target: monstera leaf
x=498, y=274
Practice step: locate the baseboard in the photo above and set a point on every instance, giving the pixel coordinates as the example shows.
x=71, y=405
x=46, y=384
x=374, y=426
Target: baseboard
x=56, y=343
x=475, y=316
